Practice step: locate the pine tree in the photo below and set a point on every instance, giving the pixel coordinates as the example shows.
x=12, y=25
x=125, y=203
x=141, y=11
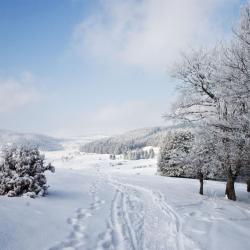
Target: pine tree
x=22, y=172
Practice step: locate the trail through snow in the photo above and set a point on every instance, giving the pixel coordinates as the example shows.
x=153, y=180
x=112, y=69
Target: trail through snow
x=140, y=219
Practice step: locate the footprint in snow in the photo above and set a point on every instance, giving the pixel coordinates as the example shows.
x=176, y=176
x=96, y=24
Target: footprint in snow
x=78, y=236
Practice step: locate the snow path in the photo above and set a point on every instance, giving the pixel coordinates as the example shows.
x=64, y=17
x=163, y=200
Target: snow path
x=140, y=219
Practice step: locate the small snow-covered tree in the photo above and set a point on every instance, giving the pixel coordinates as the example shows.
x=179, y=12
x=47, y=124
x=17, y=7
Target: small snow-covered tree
x=173, y=158
x=22, y=172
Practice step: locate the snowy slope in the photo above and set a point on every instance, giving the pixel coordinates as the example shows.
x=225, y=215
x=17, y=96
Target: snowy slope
x=43, y=142
x=97, y=203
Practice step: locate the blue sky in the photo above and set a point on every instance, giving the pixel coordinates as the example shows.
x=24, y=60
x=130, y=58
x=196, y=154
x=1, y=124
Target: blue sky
x=98, y=66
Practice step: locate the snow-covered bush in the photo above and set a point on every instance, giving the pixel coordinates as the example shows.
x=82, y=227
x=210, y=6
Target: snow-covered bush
x=22, y=172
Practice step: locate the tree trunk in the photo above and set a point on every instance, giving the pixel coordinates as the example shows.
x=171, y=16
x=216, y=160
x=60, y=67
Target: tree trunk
x=200, y=176
x=230, y=191
x=248, y=185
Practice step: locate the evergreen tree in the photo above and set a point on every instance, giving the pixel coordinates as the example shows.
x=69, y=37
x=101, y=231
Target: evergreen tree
x=22, y=172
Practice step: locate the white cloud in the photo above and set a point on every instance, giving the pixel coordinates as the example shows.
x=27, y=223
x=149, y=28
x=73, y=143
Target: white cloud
x=114, y=118
x=16, y=93
x=127, y=115
x=150, y=33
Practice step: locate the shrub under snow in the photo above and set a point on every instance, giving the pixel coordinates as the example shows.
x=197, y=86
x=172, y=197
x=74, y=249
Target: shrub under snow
x=22, y=172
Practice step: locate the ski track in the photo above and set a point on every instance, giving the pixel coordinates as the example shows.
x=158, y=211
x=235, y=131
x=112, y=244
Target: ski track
x=140, y=219
x=125, y=223
x=160, y=226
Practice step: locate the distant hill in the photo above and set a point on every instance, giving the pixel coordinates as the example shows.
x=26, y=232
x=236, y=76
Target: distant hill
x=131, y=140
x=43, y=142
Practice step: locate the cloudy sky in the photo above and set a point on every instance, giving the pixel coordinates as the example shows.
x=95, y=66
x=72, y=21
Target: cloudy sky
x=72, y=67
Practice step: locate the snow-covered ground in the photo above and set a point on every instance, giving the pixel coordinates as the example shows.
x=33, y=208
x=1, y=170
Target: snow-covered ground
x=98, y=203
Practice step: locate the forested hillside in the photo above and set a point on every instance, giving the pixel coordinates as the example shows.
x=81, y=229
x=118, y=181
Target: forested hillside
x=43, y=142
x=131, y=140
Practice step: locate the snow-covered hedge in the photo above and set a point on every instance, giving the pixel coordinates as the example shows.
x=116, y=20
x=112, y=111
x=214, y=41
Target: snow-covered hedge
x=22, y=172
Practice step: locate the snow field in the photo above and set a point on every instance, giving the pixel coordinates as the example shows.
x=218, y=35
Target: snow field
x=98, y=203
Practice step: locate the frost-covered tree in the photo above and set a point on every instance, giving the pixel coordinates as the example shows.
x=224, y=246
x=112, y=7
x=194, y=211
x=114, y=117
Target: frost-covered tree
x=173, y=158
x=202, y=158
x=215, y=94
x=22, y=172
x=203, y=101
